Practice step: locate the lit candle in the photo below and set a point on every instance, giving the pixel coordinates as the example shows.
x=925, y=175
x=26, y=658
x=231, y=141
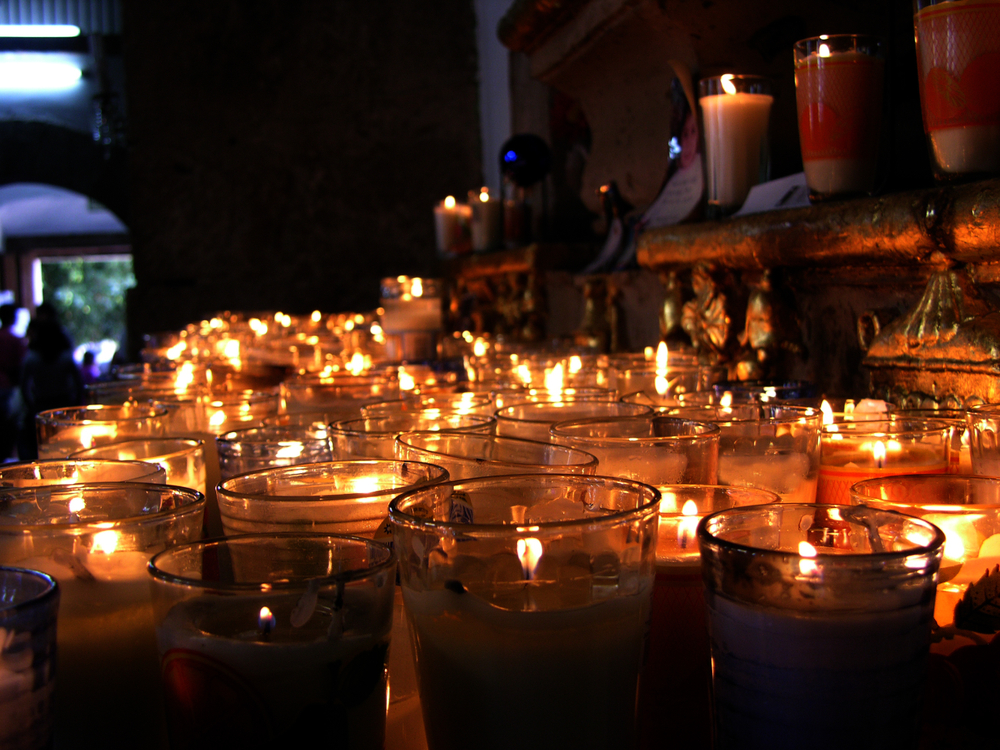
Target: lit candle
x=735, y=111
x=853, y=451
x=487, y=224
x=451, y=223
x=301, y=649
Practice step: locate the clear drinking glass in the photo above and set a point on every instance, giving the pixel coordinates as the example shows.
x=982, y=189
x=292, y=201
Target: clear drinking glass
x=96, y=540
x=282, y=638
x=29, y=602
x=529, y=600
x=815, y=608
x=468, y=454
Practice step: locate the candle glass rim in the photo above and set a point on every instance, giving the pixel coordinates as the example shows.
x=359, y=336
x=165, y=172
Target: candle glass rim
x=706, y=537
x=49, y=595
x=797, y=414
x=264, y=587
x=316, y=466
x=190, y=444
x=63, y=415
x=705, y=430
x=217, y=398
x=715, y=489
x=753, y=389
x=549, y=404
x=711, y=85
x=401, y=518
x=805, y=47
x=195, y=506
x=927, y=427
x=152, y=471
x=342, y=428
x=589, y=461
x=939, y=506
x=279, y=435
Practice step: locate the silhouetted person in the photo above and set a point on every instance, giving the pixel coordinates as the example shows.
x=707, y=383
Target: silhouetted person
x=12, y=350
x=89, y=368
x=50, y=378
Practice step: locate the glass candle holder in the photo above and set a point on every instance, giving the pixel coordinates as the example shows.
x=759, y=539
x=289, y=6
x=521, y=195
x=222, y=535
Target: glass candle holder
x=765, y=390
x=771, y=447
x=466, y=455
x=853, y=451
x=504, y=397
x=962, y=674
x=342, y=497
x=676, y=682
x=662, y=402
x=258, y=448
x=960, y=455
x=533, y=421
x=454, y=403
x=735, y=112
x=818, y=606
x=376, y=438
x=276, y=634
x=647, y=448
x=96, y=540
x=65, y=431
x=182, y=459
x=675, y=380
x=957, y=51
x=79, y=471
x=343, y=397
x=838, y=95
x=984, y=439
x=29, y=602
x=540, y=586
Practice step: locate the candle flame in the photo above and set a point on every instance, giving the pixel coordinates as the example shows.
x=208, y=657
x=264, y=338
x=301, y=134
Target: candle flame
x=824, y=50
x=105, y=541
x=688, y=525
x=231, y=349
x=76, y=505
x=554, y=378
x=484, y=195
x=529, y=551
x=807, y=565
x=878, y=453
x=954, y=549
x=726, y=402
x=364, y=485
x=662, y=356
x=417, y=288
x=406, y=380
x=648, y=353
x=266, y=620
x=727, y=83
x=316, y=316
x=289, y=451
x=357, y=363
x=449, y=202
x=827, y=411
x=479, y=348
x=575, y=364
x=217, y=419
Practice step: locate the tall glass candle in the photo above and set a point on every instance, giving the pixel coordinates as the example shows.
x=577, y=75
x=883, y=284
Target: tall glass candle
x=838, y=94
x=96, y=540
x=529, y=600
x=735, y=112
x=818, y=611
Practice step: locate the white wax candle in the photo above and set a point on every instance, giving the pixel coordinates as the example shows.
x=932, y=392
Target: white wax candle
x=527, y=679
x=450, y=222
x=786, y=474
x=735, y=139
x=487, y=227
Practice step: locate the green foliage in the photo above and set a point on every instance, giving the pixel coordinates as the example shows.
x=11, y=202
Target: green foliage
x=90, y=296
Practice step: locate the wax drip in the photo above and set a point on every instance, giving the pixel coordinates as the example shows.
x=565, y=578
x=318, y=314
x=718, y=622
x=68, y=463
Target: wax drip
x=71, y=561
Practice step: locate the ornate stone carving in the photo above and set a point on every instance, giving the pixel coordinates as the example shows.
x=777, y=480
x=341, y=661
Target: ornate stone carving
x=704, y=318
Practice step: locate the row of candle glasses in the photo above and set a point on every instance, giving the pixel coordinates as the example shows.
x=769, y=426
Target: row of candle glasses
x=673, y=436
